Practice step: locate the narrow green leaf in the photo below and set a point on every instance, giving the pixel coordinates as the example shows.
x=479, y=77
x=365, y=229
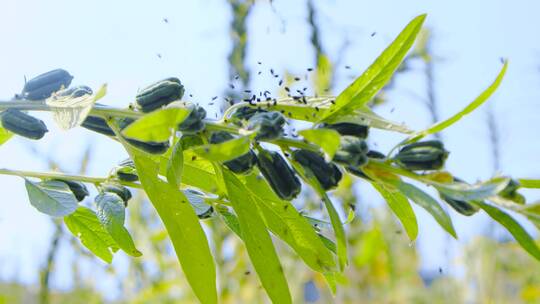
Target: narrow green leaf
x=529, y=183
x=427, y=202
x=257, y=240
x=51, y=197
x=520, y=234
x=182, y=224
x=224, y=151
x=401, y=208
x=478, y=191
x=175, y=165
x=158, y=125
x=111, y=213
x=337, y=225
x=438, y=127
x=84, y=224
x=311, y=111
x=231, y=221
x=327, y=139
x=365, y=87
x=286, y=222
x=5, y=135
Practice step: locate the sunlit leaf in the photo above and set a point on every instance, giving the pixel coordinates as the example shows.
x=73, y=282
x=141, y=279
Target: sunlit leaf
x=478, y=191
x=365, y=116
x=427, y=202
x=438, y=127
x=51, y=197
x=529, y=183
x=327, y=139
x=224, y=151
x=182, y=224
x=401, y=208
x=175, y=165
x=257, y=240
x=5, y=135
x=158, y=125
x=111, y=213
x=521, y=236
x=84, y=224
x=364, y=88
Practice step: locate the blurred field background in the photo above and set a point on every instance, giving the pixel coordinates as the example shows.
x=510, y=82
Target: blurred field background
x=206, y=43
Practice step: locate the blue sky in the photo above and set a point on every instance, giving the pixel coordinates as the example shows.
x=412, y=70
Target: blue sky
x=117, y=42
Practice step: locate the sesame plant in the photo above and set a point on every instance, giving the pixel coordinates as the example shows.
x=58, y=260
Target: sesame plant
x=244, y=170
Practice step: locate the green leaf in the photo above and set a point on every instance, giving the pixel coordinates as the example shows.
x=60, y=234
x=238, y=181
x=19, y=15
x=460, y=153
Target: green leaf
x=5, y=135
x=158, y=125
x=366, y=116
x=231, y=221
x=520, y=234
x=311, y=111
x=427, y=202
x=257, y=239
x=111, y=213
x=69, y=112
x=198, y=202
x=175, y=165
x=84, y=224
x=327, y=139
x=51, y=197
x=529, y=183
x=286, y=222
x=224, y=151
x=438, y=127
x=365, y=87
x=182, y=224
x=479, y=191
x=337, y=225
x=401, y=208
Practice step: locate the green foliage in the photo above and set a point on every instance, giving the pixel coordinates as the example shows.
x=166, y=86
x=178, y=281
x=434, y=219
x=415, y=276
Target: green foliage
x=210, y=173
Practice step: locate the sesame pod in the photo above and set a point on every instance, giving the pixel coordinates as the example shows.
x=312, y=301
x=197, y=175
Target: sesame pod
x=119, y=190
x=462, y=207
x=77, y=188
x=269, y=125
x=126, y=171
x=427, y=155
x=159, y=94
x=190, y=140
x=75, y=92
x=194, y=123
x=42, y=86
x=327, y=174
x=348, y=128
x=244, y=114
x=151, y=147
x=23, y=124
x=240, y=165
x=510, y=192
x=357, y=172
x=375, y=154
x=279, y=175
x=97, y=124
x=352, y=151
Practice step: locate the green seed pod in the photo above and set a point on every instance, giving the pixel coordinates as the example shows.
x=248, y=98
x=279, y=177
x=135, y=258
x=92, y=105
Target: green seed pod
x=357, y=172
x=126, y=171
x=327, y=174
x=159, y=94
x=244, y=114
x=462, y=207
x=269, y=125
x=42, y=86
x=279, y=175
x=426, y=155
x=77, y=188
x=375, y=154
x=151, y=147
x=97, y=124
x=510, y=192
x=119, y=190
x=194, y=123
x=352, y=151
x=75, y=92
x=23, y=124
x=240, y=165
x=191, y=140
x=348, y=128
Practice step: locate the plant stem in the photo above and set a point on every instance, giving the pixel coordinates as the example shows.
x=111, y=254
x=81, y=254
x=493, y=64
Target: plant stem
x=57, y=175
